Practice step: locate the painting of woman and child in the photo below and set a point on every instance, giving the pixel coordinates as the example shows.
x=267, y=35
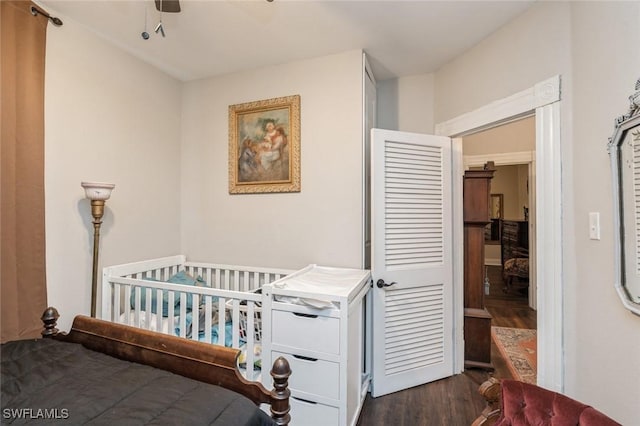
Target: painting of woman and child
x=264, y=146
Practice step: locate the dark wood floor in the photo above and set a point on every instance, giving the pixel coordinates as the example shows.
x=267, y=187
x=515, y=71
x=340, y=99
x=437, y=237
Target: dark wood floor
x=454, y=401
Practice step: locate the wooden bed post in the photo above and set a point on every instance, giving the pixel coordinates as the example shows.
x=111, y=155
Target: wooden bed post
x=50, y=319
x=280, y=406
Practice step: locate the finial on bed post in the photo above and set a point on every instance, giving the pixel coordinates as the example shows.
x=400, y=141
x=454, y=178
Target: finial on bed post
x=280, y=406
x=50, y=319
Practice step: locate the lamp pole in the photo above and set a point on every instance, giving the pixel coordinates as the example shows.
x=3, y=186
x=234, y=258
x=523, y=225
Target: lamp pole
x=98, y=193
x=97, y=211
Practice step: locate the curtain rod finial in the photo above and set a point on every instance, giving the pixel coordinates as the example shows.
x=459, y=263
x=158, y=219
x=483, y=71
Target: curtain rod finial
x=55, y=21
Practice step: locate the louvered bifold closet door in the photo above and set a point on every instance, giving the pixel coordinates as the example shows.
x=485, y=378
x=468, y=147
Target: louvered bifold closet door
x=412, y=252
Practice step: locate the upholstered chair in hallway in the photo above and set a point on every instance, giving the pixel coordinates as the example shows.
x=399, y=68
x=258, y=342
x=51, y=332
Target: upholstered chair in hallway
x=515, y=403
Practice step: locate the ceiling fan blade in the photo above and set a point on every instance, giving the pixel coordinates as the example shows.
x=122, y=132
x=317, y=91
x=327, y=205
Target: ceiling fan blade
x=170, y=6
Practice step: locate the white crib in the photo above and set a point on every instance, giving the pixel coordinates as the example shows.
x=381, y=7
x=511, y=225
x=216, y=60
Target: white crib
x=138, y=294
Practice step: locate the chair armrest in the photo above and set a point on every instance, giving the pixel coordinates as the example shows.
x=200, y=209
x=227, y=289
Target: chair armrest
x=491, y=392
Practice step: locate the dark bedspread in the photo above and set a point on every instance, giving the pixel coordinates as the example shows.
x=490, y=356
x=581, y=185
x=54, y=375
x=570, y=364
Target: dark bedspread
x=46, y=381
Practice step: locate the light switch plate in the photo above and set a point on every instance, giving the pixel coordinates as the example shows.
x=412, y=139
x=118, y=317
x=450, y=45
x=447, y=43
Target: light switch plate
x=594, y=225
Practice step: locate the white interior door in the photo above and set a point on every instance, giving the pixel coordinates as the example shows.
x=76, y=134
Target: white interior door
x=412, y=264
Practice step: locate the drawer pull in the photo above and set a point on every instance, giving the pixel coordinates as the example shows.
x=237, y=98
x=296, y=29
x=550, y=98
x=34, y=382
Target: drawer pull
x=304, y=400
x=304, y=315
x=306, y=358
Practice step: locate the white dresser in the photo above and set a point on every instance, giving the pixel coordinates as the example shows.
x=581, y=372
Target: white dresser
x=318, y=323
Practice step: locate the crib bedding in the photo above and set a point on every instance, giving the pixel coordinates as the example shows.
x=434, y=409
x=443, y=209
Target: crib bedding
x=162, y=324
x=174, y=329
x=183, y=278
x=98, y=389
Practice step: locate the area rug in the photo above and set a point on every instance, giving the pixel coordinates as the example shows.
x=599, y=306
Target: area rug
x=518, y=347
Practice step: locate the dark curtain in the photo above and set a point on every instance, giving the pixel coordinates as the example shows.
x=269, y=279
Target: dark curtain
x=22, y=233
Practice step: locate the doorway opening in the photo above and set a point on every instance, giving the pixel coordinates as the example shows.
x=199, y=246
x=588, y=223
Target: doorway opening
x=510, y=282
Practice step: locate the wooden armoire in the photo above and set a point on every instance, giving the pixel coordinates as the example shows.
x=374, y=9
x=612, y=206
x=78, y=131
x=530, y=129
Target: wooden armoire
x=477, y=320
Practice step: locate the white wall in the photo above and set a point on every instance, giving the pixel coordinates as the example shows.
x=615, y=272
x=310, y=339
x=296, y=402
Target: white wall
x=322, y=223
x=507, y=181
x=593, y=46
x=603, y=342
x=529, y=49
x=111, y=118
x=517, y=136
x=406, y=104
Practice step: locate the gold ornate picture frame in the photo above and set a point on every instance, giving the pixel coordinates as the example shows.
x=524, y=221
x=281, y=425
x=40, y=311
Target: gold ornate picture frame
x=264, y=146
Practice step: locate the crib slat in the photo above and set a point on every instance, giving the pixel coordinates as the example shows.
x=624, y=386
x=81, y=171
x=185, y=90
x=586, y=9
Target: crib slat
x=195, y=317
x=226, y=279
x=147, y=308
x=138, y=301
x=127, y=301
x=208, y=314
x=216, y=283
x=159, y=312
x=250, y=337
x=183, y=315
x=171, y=317
x=235, y=323
x=236, y=281
x=221, y=321
x=115, y=302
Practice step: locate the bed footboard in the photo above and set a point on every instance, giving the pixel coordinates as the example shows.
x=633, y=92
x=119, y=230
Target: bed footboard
x=199, y=361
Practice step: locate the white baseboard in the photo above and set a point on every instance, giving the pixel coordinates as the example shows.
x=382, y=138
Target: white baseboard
x=493, y=262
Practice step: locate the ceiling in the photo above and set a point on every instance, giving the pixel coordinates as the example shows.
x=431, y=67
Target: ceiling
x=216, y=37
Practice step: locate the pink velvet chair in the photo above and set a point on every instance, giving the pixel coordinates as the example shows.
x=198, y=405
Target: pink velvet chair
x=514, y=403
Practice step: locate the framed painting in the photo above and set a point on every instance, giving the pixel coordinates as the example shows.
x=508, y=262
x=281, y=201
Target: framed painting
x=264, y=146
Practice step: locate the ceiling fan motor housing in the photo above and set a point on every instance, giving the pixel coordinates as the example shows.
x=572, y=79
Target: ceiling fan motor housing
x=170, y=6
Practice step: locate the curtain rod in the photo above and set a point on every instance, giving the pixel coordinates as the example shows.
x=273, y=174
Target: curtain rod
x=55, y=21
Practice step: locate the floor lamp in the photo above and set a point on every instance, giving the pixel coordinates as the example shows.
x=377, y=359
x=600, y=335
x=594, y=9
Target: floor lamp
x=98, y=193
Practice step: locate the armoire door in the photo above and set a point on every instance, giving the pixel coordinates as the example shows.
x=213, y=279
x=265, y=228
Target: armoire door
x=412, y=266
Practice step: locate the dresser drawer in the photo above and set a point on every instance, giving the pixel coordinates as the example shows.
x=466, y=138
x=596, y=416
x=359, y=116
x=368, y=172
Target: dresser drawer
x=312, y=375
x=310, y=332
x=307, y=413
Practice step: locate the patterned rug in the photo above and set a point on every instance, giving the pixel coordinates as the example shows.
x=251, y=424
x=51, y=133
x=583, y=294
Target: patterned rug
x=518, y=347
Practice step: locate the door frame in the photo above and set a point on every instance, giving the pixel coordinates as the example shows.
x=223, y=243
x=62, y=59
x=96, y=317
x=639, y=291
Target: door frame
x=543, y=100
x=369, y=108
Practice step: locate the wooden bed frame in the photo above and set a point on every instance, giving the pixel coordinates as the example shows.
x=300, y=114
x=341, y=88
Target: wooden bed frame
x=206, y=363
